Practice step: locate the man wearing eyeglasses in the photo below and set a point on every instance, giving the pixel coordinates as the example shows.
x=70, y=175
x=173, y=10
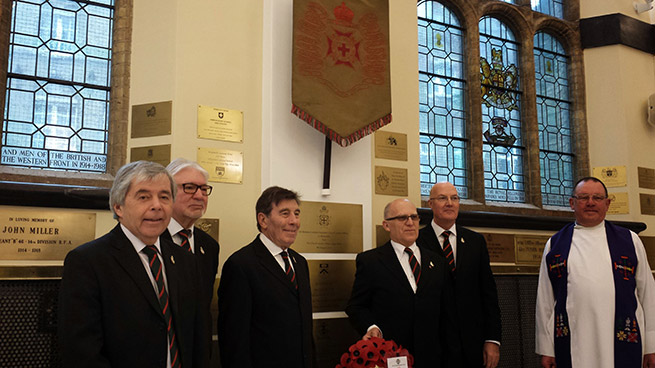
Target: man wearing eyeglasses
x=596, y=294
x=402, y=293
x=467, y=258
x=189, y=206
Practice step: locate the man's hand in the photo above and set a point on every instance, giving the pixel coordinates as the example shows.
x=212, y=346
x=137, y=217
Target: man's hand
x=649, y=360
x=490, y=354
x=548, y=362
x=373, y=332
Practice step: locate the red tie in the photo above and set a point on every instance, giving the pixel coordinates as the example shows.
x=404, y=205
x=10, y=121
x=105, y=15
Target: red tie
x=413, y=263
x=288, y=269
x=156, y=270
x=185, y=235
x=448, y=251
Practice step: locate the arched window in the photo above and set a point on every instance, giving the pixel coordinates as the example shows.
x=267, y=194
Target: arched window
x=554, y=117
x=502, y=147
x=442, y=98
x=553, y=8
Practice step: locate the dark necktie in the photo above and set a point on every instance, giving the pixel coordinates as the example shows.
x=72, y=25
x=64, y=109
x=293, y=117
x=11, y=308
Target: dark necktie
x=448, y=251
x=288, y=269
x=185, y=235
x=156, y=270
x=413, y=263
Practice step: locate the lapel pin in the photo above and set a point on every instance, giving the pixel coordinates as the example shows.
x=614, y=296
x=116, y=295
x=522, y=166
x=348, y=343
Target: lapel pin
x=173, y=259
x=202, y=250
x=431, y=264
x=294, y=259
x=462, y=240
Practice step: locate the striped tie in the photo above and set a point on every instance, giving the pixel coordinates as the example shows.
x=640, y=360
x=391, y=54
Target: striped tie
x=185, y=235
x=413, y=263
x=448, y=251
x=288, y=269
x=156, y=270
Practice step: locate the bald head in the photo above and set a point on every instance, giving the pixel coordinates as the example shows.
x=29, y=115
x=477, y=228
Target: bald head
x=444, y=203
x=399, y=223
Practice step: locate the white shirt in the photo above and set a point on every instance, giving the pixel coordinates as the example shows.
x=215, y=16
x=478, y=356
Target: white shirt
x=452, y=238
x=276, y=252
x=138, y=247
x=174, y=228
x=403, y=258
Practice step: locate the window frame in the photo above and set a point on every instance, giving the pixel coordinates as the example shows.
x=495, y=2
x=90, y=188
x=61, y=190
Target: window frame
x=118, y=106
x=525, y=23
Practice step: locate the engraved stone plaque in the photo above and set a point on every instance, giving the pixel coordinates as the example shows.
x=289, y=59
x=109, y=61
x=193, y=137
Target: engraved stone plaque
x=612, y=176
x=500, y=247
x=619, y=204
x=327, y=227
x=223, y=166
x=331, y=283
x=646, y=177
x=647, y=204
x=208, y=225
x=220, y=124
x=153, y=119
x=159, y=154
x=390, y=181
x=43, y=235
x=390, y=145
x=530, y=248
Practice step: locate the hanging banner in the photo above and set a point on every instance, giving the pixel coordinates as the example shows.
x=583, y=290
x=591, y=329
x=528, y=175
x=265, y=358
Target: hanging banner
x=340, y=77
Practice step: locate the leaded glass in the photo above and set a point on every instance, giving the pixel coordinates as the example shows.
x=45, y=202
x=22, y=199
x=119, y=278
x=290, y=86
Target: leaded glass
x=554, y=117
x=502, y=148
x=57, y=100
x=554, y=8
x=442, y=96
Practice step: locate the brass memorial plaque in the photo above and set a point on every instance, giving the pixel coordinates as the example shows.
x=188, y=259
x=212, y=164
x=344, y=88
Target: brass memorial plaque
x=646, y=177
x=43, y=235
x=159, y=154
x=649, y=245
x=530, y=248
x=612, y=176
x=333, y=336
x=153, y=119
x=220, y=124
x=224, y=166
x=390, y=145
x=329, y=228
x=647, y=203
x=391, y=181
x=619, y=204
x=331, y=282
x=208, y=225
x=500, y=247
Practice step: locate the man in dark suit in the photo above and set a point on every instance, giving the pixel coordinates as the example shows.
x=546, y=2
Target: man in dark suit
x=189, y=206
x=402, y=293
x=264, y=299
x=478, y=314
x=118, y=306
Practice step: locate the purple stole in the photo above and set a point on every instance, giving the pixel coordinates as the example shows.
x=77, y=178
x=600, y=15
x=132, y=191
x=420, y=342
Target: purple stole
x=627, y=339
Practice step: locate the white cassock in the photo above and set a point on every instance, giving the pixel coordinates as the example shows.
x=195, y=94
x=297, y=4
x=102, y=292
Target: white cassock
x=590, y=300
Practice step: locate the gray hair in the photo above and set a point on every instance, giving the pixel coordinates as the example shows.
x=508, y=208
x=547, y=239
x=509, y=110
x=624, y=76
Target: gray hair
x=135, y=171
x=180, y=164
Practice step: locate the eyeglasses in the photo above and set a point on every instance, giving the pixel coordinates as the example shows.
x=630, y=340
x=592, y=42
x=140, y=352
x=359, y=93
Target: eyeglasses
x=404, y=218
x=444, y=199
x=190, y=188
x=587, y=198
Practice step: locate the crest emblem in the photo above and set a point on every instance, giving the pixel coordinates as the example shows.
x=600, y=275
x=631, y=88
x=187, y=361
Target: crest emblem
x=151, y=112
x=382, y=180
x=625, y=268
x=498, y=81
x=221, y=115
x=323, y=216
x=499, y=135
x=556, y=265
x=220, y=170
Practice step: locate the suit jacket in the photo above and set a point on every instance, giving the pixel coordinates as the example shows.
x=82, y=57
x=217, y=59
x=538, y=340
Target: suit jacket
x=263, y=321
x=206, y=253
x=420, y=322
x=109, y=314
x=475, y=291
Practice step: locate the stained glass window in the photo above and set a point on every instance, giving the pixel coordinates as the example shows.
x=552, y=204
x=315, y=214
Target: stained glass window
x=502, y=148
x=442, y=96
x=554, y=8
x=57, y=99
x=554, y=117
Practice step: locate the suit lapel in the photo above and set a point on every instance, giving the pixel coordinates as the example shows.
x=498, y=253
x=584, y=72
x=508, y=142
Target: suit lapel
x=266, y=259
x=390, y=261
x=172, y=277
x=462, y=250
x=427, y=271
x=432, y=241
x=129, y=260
